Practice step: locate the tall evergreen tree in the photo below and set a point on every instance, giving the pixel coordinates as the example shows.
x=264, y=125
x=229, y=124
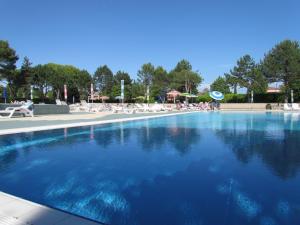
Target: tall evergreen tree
x=232, y=81
x=184, y=79
x=25, y=75
x=40, y=80
x=8, y=59
x=282, y=64
x=220, y=84
x=121, y=75
x=84, y=80
x=247, y=74
x=145, y=75
x=104, y=80
x=160, y=84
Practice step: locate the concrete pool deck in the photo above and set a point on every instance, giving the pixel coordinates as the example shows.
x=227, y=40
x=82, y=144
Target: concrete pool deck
x=30, y=124
x=17, y=211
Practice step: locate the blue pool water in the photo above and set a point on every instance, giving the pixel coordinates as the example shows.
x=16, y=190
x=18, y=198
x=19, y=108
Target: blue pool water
x=200, y=168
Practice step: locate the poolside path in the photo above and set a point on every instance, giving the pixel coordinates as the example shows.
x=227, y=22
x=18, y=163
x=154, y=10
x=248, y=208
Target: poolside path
x=28, y=124
x=17, y=211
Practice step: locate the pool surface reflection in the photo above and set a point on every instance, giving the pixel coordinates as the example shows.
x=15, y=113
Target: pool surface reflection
x=201, y=168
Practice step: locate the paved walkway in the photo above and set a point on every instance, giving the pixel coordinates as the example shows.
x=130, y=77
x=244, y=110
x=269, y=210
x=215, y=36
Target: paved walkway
x=27, y=124
x=17, y=211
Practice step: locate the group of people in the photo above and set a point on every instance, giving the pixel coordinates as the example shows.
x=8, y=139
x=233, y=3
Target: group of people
x=213, y=105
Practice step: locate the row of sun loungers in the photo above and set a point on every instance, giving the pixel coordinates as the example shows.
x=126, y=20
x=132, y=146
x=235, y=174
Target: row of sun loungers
x=291, y=107
x=119, y=108
x=27, y=108
x=135, y=108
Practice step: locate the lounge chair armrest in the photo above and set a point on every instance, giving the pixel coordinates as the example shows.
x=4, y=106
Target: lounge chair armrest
x=9, y=108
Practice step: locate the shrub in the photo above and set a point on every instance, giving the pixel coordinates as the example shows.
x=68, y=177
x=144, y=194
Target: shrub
x=234, y=98
x=203, y=98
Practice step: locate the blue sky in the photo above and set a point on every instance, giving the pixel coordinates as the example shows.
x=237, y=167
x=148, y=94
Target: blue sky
x=124, y=34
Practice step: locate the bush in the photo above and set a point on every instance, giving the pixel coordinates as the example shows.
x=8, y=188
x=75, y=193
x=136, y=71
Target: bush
x=234, y=98
x=244, y=98
x=228, y=98
x=203, y=98
x=269, y=98
x=45, y=100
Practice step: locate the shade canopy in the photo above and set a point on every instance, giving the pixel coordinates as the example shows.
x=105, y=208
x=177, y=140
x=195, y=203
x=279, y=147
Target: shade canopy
x=188, y=95
x=140, y=97
x=173, y=93
x=104, y=97
x=185, y=94
x=216, y=95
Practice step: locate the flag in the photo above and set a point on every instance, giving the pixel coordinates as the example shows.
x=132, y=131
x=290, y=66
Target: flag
x=122, y=89
x=92, y=91
x=65, y=92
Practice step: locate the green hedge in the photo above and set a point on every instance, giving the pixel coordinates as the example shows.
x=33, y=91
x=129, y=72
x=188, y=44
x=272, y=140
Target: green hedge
x=235, y=98
x=244, y=98
x=269, y=98
x=229, y=98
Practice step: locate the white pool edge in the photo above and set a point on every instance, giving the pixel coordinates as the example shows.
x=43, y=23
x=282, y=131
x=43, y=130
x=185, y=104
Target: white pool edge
x=16, y=210
x=81, y=124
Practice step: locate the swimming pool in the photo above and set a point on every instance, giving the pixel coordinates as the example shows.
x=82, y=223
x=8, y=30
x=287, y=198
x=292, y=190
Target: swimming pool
x=200, y=168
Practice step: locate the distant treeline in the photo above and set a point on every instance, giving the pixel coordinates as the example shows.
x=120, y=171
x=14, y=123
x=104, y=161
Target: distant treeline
x=281, y=64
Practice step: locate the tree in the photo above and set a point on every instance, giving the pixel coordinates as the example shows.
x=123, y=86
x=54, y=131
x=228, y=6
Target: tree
x=120, y=75
x=248, y=75
x=57, y=78
x=78, y=84
x=103, y=79
x=145, y=75
x=183, y=65
x=25, y=75
x=282, y=64
x=243, y=70
x=160, y=84
x=137, y=89
x=83, y=81
x=232, y=81
x=8, y=59
x=40, y=80
x=184, y=79
x=221, y=85
x=256, y=81
x=54, y=76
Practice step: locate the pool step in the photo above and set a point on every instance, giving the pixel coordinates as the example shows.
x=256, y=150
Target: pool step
x=17, y=211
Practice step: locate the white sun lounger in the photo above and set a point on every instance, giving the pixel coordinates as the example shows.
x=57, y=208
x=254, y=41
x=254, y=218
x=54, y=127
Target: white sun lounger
x=139, y=107
x=295, y=107
x=116, y=109
x=156, y=108
x=287, y=107
x=123, y=109
x=25, y=110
